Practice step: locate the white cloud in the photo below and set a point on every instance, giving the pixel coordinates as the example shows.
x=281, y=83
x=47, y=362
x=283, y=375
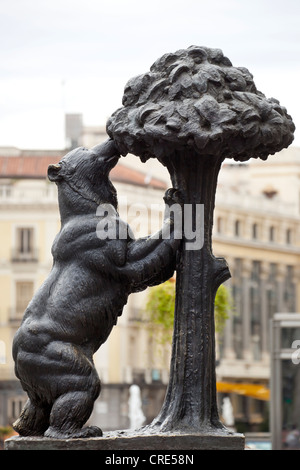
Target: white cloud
x=35, y=128
x=95, y=47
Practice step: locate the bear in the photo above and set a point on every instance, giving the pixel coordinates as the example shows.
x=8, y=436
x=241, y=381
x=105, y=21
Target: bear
x=75, y=309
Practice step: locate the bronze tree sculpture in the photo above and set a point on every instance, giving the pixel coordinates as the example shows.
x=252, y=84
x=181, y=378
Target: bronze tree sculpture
x=192, y=110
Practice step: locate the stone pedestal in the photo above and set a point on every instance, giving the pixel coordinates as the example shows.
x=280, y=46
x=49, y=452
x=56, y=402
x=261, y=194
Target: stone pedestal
x=126, y=440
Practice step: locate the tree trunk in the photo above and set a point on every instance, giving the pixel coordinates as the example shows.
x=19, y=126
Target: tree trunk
x=190, y=403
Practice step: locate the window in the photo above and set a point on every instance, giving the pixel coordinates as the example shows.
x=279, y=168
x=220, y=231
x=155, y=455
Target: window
x=289, y=295
x=132, y=348
x=219, y=224
x=25, y=240
x=272, y=234
x=255, y=310
x=237, y=292
x=24, y=247
x=288, y=236
x=15, y=406
x=237, y=228
x=272, y=291
x=2, y=353
x=254, y=231
x=24, y=293
x=5, y=191
x=156, y=375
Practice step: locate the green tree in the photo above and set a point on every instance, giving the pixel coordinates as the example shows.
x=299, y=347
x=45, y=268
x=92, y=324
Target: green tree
x=161, y=305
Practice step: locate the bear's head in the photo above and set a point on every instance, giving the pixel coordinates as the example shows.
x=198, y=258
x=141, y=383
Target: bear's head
x=86, y=173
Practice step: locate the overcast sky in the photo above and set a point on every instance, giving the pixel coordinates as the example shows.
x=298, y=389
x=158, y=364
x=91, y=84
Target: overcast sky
x=60, y=56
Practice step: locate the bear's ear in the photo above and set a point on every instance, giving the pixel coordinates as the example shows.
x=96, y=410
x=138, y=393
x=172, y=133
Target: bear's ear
x=54, y=172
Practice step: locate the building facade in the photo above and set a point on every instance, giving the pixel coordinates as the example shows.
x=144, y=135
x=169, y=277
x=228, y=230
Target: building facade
x=256, y=229
x=259, y=236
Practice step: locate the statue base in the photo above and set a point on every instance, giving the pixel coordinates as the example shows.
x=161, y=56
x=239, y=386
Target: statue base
x=129, y=440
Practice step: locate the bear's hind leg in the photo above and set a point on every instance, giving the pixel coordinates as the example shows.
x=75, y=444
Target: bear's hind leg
x=33, y=420
x=69, y=413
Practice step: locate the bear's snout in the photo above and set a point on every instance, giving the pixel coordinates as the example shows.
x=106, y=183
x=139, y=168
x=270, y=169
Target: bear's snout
x=106, y=149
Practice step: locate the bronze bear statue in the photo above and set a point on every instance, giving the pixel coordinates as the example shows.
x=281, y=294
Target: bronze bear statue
x=75, y=309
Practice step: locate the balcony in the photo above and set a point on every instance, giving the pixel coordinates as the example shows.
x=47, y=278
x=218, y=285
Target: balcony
x=37, y=193
x=17, y=256
x=15, y=316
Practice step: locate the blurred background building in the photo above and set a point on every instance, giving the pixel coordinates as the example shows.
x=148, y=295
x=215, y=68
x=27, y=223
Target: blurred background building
x=256, y=228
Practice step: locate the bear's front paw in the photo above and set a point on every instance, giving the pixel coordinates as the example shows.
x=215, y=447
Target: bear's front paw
x=173, y=196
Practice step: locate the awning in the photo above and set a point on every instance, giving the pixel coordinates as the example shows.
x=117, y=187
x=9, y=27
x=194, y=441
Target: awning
x=260, y=392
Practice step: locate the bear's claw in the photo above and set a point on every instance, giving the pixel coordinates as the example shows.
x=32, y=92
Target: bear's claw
x=89, y=431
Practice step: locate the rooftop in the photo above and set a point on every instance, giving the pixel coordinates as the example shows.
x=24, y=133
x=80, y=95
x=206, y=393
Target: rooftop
x=35, y=166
